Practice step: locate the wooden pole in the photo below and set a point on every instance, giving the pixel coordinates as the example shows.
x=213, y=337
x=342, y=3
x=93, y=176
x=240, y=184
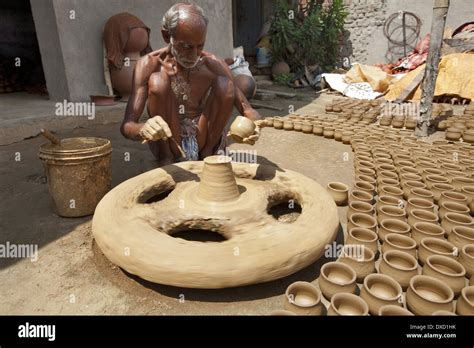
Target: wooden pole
x=440, y=11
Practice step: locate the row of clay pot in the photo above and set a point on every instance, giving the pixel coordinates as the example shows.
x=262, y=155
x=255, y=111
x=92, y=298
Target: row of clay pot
x=351, y=105
x=399, y=122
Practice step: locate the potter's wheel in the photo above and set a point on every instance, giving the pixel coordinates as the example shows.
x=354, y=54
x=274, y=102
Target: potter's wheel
x=148, y=224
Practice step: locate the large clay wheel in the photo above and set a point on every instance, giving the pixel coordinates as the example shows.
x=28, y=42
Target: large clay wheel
x=137, y=225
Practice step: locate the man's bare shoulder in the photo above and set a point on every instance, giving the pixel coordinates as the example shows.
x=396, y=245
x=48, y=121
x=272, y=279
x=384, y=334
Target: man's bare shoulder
x=150, y=63
x=214, y=63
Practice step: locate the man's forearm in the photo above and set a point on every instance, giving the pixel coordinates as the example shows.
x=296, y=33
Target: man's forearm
x=131, y=130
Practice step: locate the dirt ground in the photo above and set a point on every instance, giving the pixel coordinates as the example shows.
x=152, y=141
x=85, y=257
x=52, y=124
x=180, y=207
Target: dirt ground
x=71, y=276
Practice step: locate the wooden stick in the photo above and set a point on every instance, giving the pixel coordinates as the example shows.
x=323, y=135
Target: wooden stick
x=181, y=151
x=48, y=135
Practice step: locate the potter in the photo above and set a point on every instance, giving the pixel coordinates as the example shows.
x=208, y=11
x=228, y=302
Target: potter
x=189, y=93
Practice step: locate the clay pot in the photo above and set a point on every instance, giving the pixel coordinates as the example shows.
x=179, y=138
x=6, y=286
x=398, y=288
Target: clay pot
x=381, y=181
x=387, y=200
x=242, y=128
x=361, y=196
x=449, y=271
x=363, y=236
x=390, y=212
x=335, y=278
x=303, y=298
x=453, y=196
x=407, y=186
x=400, y=242
x=466, y=258
x=288, y=125
x=297, y=126
x=360, y=258
x=419, y=203
x=454, y=219
x=318, y=129
x=437, y=189
x=461, y=235
x=218, y=182
x=452, y=207
x=277, y=123
x=365, y=171
x=328, y=132
x=453, y=134
x=364, y=186
x=307, y=127
x=445, y=167
x=269, y=122
x=280, y=68
x=387, y=175
x=451, y=174
x=460, y=181
x=385, y=121
x=419, y=215
x=465, y=304
x=398, y=123
x=391, y=191
x=435, y=179
x=468, y=191
x=366, y=178
x=426, y=295
x=380, y=290
x=435, y=246
x=348, y=304
x=392, y=310
x=400, y=266
x=431, y=171
x=468, y=136
x=360, y=207
x=339, y=192
x=421, y=230
x=362, y=221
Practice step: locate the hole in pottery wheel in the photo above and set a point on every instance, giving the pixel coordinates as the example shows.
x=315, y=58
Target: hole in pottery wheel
x=155, y=194
x=197, y=235
x=284, y=208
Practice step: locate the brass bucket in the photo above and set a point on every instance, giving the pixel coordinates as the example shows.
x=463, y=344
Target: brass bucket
x=78, y=172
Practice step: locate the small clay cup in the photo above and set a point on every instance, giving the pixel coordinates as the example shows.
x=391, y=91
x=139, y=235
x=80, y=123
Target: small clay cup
x=360, y=207
x=380, y=290
x=362, y=196
x=453, y=196
x=363, y=236
x=347, y=304
x=426, y=295
x=339, y=192
x=461, y=235
x=400, y=266
x=435, y=179
x=421, y=230
x=392, y=310
x=434, y=246
x=395, y=241
x=449, y=271
x=421, y=193
x=360, y=258
x=466, y=258
x=335, y=278
x=303, y=298
x=388, y=200
x=465, y=304
x=407, y=186
x=365, y=186
x=396, y=226
x=437, y=189
x=452, y=207
x=390, y=212
x=419, y=203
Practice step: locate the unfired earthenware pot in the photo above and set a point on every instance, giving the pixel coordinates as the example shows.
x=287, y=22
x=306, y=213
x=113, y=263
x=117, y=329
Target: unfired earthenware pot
x=394, y=241
x=337, y=277
x=348, y=304
x=392, y=310
x=360, y=258
x=303, y=298
x=380, y=290
x=454, y=219
x=465, y=304
x=421, y=230
x=435, y=246
x=419, y=215
x=466, y=258
x=362, y=220
x=461, y=235
x=339, y=192
x=360, y=207
x=388, y=226
x=426, y=295
x=363, y=236
x=452, y=207
x=400, y=266
x=446, y=269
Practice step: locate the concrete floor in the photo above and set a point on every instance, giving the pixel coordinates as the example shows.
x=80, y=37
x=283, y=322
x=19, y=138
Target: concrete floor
x=72, y=277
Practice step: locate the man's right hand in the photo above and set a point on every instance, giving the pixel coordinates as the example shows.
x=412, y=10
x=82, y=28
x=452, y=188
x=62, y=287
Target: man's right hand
x=155, y=129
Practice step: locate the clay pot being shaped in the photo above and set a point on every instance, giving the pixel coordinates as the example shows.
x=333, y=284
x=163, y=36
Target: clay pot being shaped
x=363, y=221
x=421, y=204
x=421, y=230
x=452, y=207
x=394, y=241
x=391, y=310
x=434, y=246
x=466, y=258
x=360, y=258
x=437, y=189
x=426, y=295
x=461, y=235
x=390, y=212
x=303, y=298
x=335, y=278
x=360, y=207
x=400, y=266
x=396, y=226
x=362, y=196
x=465, y=304
x=380, y=290
x=449, y=271
x=347, y=304
x=242, y=128
x=418, y=215
x=339, y=192
x=454, y=219
x=363, y=236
